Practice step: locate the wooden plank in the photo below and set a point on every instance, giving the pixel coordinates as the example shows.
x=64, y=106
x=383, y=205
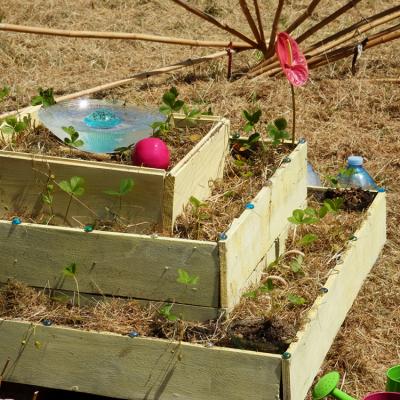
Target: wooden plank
x=23, y=179
x=330, y=309
x=140, y=368
x=110, y=263
x=193, y=174
x=253, y=233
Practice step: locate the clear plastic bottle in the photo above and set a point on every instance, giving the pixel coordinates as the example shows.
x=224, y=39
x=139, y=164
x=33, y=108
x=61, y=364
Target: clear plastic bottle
x=356, y=176
x=313, y=178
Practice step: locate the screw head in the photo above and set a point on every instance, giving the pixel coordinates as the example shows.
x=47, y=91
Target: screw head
x=133, y=334
x=324, y=290
x=223, y=236
x=236, y=135
x=353, y=238
x=47, y=322
x=16, y=221
x=286, y=160
x=249, y=206
x=88, y=228
x=302, y=140
x=286, y=355
x=381, y=190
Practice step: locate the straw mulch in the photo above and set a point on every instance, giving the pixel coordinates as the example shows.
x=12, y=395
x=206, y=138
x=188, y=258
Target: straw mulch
x=337, y=113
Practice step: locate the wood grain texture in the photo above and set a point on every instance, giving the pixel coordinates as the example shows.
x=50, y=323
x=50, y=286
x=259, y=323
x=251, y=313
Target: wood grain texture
x=193, y=174
x=140, y=368
x=110, y=263
x=253, y=233
x=330, y=309
x=23, y=179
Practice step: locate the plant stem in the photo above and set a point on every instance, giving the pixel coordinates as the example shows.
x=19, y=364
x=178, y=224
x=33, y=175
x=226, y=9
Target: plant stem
x=66, y=212
x=293, y=113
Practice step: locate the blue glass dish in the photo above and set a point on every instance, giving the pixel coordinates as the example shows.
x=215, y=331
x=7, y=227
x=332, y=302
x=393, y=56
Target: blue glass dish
x=103, y=126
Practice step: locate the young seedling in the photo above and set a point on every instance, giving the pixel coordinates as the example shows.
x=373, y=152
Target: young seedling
x=296, y=265
x=267, y=287
x=47, y=195
x=4, y=92
x=45, y=97
x=304, y=217
x=251, y=120
x=75, y=188
x=296, y=299
x=125, y=186
x=70, y=271
x=165, y=311
x=277, y=131
x=308, y=239
x=186, y=279
x=73, y=139
x=14, y=126
x=198, y=211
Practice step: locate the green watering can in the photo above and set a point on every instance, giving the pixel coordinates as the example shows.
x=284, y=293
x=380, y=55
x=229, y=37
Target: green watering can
x=327, y=386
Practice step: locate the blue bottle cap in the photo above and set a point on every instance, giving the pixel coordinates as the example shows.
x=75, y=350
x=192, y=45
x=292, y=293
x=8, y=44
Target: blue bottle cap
x=102, y=119
x=355, y=161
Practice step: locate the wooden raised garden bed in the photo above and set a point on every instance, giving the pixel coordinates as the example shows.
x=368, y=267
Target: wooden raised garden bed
x=146, y=266
x=145, y=368
x=156, y=200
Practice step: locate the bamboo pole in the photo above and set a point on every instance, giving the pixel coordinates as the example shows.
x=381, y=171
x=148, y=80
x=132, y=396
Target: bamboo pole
x=252, y=24
x=327, y=20
x=121, y=82
x=122, y=36
x=309, y=10
x=215, y=22
x=357, y=26
x=259, y=21
x=271, y=45
x=346, y=35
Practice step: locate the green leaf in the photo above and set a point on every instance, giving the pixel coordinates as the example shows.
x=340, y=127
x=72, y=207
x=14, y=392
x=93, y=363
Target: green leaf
x=254, y=138
x=296, y=264
x=112, y=192
x=4, y=92
x=169, y=98
x=281, y=123
x=295, y=299
x=178, y=105
x=185, y=278
x=125, y=186
x=308, y=239
x=47, y=198
x=165, y=109
x=334, y=205
x=73, y=186
x=323, y=211
x=165, y=311
x=246, y=115
x=78, y=143
x=297, y=217
x=70, y=270
x=252, y=294
x=174, y=91
x=268, y=286
x=66, y=186
x=195, y=202
x=248, y=127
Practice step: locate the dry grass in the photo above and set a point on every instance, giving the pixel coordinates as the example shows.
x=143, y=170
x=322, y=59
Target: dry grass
x=338, y=114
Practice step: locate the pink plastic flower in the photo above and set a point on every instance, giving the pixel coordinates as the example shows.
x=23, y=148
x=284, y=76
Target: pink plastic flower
x=292, y=60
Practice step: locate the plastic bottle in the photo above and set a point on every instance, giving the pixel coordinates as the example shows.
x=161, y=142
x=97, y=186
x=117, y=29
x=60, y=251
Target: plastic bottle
x=356, y=176
x=312, y=177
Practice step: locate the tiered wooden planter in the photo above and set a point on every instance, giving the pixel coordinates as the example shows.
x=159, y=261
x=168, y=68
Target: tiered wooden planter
x=156, y=199
x=146, y=267
x=144, y=368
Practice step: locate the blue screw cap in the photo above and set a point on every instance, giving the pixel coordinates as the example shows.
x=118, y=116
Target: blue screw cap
x=223, y=236
x=302, y=140
x=133, y=334
x=353, y=238
x=16, y=221
x=249, y=206
x=47, y=322
x=286, y=355
x=324, y=290
x=286, y=160
x=88, y=228
x=381, y=190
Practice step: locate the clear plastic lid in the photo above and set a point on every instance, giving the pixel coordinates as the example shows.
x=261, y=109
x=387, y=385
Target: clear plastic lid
x=355, y=161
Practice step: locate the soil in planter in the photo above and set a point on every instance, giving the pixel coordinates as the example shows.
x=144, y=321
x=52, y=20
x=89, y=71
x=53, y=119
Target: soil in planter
x=40, y=140
x=268, y=316
x=245, y=174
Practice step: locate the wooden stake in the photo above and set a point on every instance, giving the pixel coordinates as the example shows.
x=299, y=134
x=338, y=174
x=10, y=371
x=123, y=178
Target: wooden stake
x=327, y=20
x=271, y=46
x=123, y=36
x=296, y=23
x=251, y=22
x=215, y=22
x=359, y=26
x=260, y=24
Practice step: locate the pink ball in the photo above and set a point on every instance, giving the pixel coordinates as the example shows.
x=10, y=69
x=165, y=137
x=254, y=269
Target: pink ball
x=151, y=152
